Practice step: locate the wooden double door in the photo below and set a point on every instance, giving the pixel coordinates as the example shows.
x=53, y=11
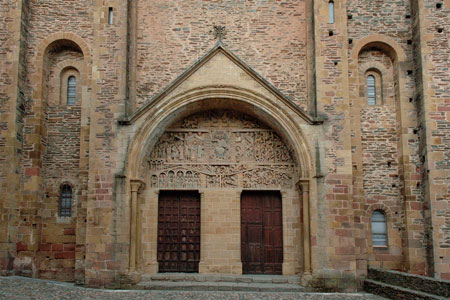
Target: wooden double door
x=178, y=231
x=261, y=232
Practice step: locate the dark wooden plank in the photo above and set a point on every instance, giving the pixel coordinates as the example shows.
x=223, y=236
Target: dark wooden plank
x=261, y=232
x=178, y=231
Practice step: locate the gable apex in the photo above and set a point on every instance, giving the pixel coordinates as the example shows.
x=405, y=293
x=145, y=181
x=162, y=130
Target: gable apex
x=218, y=49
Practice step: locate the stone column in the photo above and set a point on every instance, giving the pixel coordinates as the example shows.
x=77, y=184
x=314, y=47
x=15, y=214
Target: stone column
x=303, y=186
x=138, y=233
x=136, y=185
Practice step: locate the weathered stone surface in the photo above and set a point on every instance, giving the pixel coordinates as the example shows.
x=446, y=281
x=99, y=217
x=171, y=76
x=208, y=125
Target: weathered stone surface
x=410, y=281
x=221, y=97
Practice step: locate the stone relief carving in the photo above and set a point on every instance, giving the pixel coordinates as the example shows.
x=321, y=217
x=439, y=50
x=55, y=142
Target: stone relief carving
x=220, y=149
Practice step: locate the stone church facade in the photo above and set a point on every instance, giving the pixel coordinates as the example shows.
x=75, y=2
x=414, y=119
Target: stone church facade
x=294, y=137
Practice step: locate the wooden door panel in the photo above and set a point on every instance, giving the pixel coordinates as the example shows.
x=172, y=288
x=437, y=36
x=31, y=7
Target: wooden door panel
x=178, y=231
x=261, y=233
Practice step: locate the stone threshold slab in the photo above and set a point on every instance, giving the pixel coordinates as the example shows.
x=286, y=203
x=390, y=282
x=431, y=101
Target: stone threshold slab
x=193, y=277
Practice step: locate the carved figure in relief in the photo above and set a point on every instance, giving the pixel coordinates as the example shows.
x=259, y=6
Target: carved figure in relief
x=180, y=179
x=212, y=181
x=248, y=123
x=257, y=150
x=171, y=179
x=162, y=179
x=194, y=143
x=221, y=144
x=189, y=180
x=173, y=152
x=226, y=117
x=190, y=123
x=229, y=181
x=154, y=181
x=285, y=180
x=237, y=138
x=239, y=154
x=196, y=179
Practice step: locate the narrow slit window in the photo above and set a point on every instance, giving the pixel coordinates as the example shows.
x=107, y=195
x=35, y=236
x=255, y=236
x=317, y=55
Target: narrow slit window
x=71, y=90
x=379, y=229
x=331, y=12
x=371, y=90
x=110, y=16
x=65, y=207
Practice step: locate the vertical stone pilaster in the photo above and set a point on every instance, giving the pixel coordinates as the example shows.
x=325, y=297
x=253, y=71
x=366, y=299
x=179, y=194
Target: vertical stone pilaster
x=203, y=221
x=432, y=46
x=106, y=252
x=334, y=245
x=11, y=65
x=132, y=56
x=135, y=224
x=237, y=268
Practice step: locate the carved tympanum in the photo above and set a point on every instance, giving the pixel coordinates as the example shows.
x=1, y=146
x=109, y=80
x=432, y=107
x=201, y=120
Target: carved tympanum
x=220, y=149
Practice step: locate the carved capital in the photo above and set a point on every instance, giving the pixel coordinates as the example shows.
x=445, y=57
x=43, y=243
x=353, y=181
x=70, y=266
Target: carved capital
x=303, y=185
x=137, y=185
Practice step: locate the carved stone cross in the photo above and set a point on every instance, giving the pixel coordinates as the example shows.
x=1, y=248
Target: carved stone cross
x=219, y=32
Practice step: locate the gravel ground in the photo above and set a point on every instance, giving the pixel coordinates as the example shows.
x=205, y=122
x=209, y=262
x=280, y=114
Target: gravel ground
x=12, y=288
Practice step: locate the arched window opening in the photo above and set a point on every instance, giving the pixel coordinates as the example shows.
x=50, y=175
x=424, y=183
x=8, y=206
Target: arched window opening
x=71, y=90
x=331, y=12
x=371, y=90
x=65, y=206
x=379, y=229
x=110, y=16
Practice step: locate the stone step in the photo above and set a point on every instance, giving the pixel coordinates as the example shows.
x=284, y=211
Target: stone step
x=219, y=286
x=193, y=277
x=411, y=281
x=397, y=293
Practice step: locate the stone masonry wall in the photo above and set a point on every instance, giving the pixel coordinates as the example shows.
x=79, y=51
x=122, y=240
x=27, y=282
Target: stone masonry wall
x=61, y=165
x=17, y=16
x=333, y=238
x=397, y=160
x=432, y=42
x=391, y=19
x=270, y=36
x=11, y=120
x=380, y=158
x=106, y=250
x=45, y=18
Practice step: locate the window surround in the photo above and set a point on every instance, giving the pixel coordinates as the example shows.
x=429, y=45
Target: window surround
x=71, y=95
x=381, y=220
x=66, y=73
x=65, y=201
x=331, y=14
x=378, y=87
x=110, y=16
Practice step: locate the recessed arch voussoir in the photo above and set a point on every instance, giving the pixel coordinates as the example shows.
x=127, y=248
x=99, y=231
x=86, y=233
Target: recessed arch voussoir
x=164, y=113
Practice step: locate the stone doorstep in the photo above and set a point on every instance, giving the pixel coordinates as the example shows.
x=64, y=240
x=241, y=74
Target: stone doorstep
x=176, y=277
x=219, y=286
x=396, y=292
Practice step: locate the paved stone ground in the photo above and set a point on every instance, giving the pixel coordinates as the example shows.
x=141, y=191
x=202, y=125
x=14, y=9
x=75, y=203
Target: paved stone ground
x=12, y=288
